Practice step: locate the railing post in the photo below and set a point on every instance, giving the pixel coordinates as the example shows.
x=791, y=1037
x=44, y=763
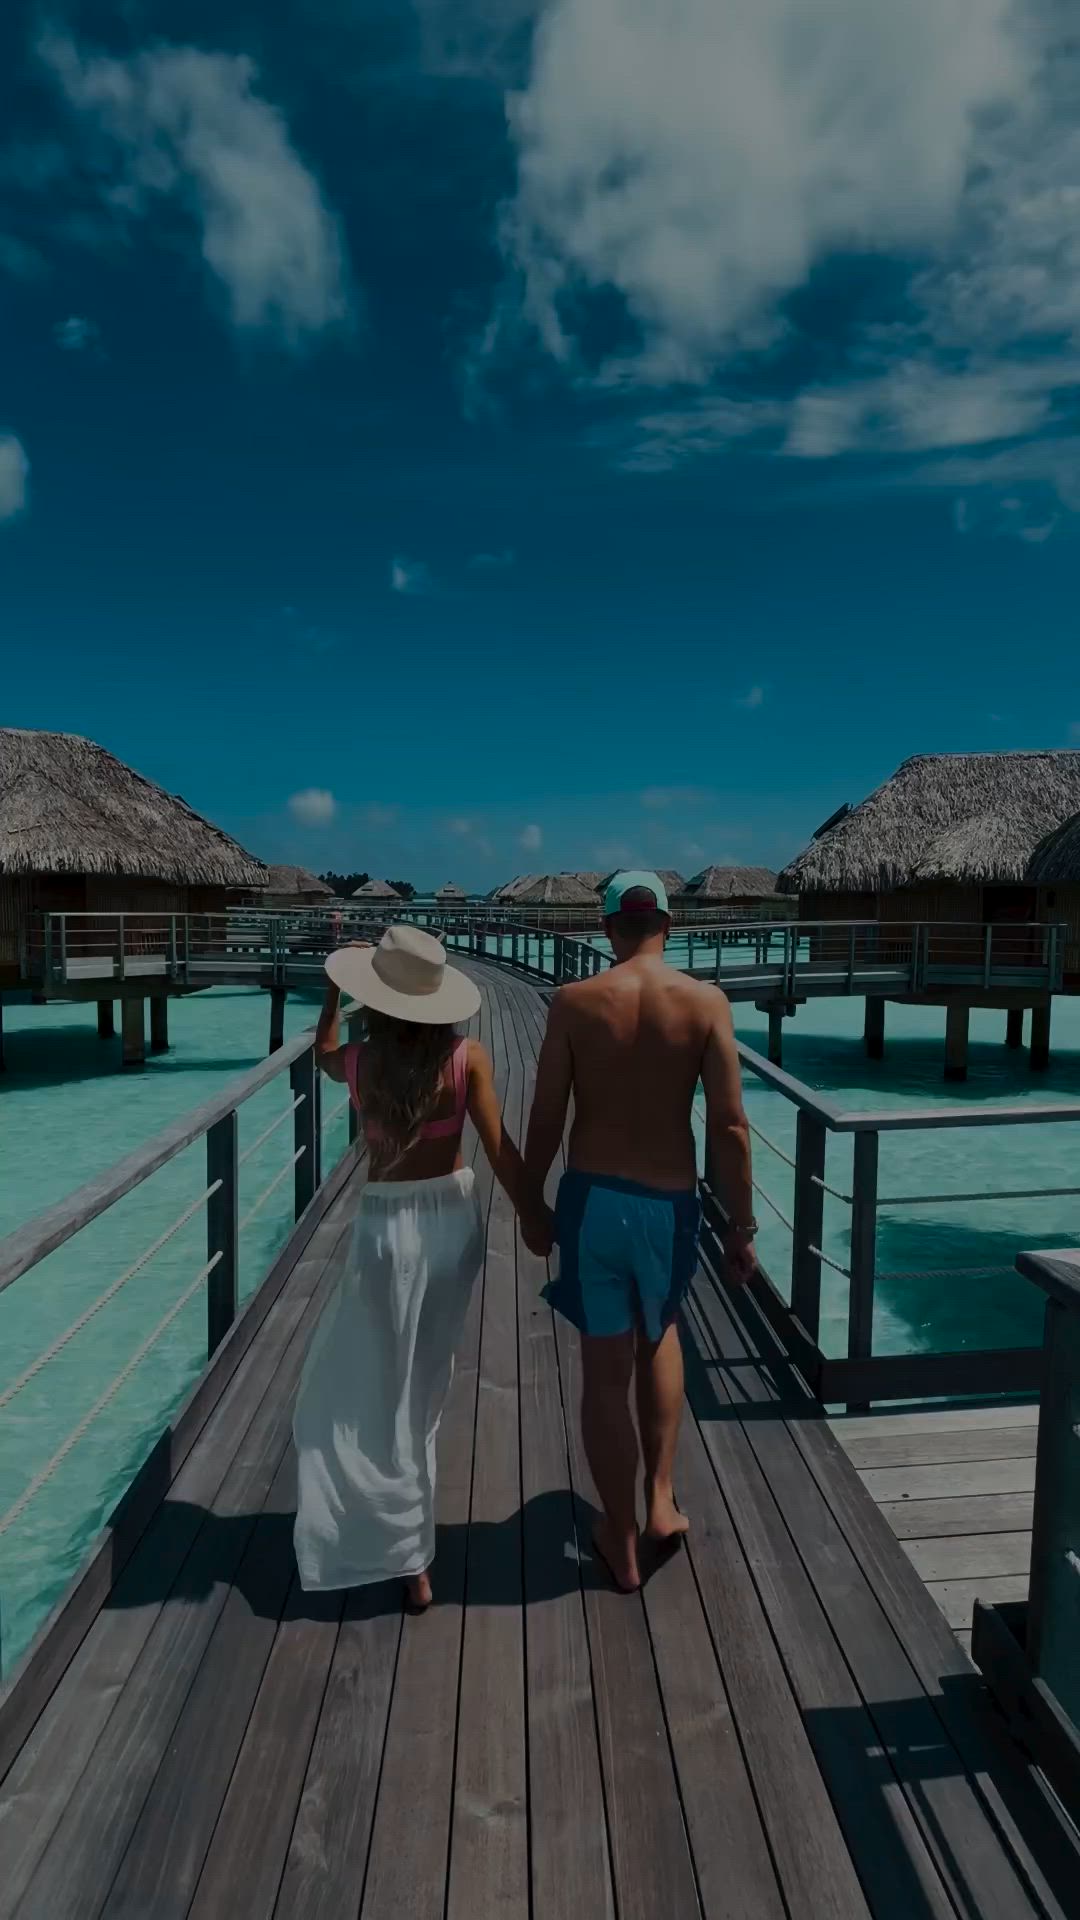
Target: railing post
x=1055, y=980
x=222, y=1229
x=689, y=951
x=808, y=1222
x=1053, y=1649
x=355, y=1029
x=172, y=946
x=863, y=1247
x=122, y=970
x=988, y=947
x=63, y=947
x=303, y=1079
x=851, y=960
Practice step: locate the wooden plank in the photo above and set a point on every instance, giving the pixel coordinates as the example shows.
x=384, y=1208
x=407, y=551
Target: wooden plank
x=734, y=1868
x=89, y=1839
x=974, y=1513
x=327, y=1858
x=812, y=1859
x=173, y=1831
x=407, y=1864
x=59, y=1751
x=1046, y=1853
x=937, y=1420
x=968, y=1853
x=950, y=1479
x=651, y=1862
x=884, y=1821
x=489, y=1862
x=571, y=1874
x=969, y=1556
x=957, y=1598
x=243, y=1868
x=937, y=1449
x=56, y=1641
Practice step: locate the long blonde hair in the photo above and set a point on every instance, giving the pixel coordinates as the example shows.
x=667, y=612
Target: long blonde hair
x=405, y=1062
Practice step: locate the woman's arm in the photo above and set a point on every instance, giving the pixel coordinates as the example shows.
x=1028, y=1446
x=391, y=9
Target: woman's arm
x=328, y=1054
x=502, y=1152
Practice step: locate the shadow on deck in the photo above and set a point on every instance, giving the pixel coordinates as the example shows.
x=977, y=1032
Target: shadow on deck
x=781, y=1724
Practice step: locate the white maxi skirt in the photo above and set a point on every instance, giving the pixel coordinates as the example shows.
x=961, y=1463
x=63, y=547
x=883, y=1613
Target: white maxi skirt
x=375, y=1383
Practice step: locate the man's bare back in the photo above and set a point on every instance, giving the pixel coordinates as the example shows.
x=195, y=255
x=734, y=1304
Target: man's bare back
x=638, y=1036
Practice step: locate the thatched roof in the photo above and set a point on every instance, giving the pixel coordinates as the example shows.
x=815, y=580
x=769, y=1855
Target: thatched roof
x=590, y=878
x=297, y=881
x=972, y=818
x=1056, y=862
x=673, y=882
x=548, y=890
x=376, y=890
x=720, y=884
x=451, y=892
x=67, y=806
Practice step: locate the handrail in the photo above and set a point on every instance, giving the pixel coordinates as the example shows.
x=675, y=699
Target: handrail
x=30, y=1243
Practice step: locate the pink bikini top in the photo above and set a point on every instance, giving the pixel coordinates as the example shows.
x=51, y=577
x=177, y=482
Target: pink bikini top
x=431, y=1129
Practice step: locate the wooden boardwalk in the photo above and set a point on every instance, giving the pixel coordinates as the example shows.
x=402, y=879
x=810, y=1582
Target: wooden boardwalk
x=782, y=1724
x=957, y=1486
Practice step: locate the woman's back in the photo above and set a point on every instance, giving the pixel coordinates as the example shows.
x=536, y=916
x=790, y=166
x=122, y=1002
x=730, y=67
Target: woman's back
x=435, y=1147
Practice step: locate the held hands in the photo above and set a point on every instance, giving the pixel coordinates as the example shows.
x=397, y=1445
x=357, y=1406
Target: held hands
x=538, y=1229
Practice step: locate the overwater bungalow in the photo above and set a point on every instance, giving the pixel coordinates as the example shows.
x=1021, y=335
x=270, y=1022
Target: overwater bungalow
x=451, y=895
x=376, y=890
x=85, y=837
x=551, y=890
x=727, y=887
x=295, y=887
x=973, y=837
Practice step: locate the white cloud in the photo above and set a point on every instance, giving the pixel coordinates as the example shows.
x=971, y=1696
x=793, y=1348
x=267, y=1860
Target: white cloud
x=313, y=807
x=752, y=699
x=701, y=159
x=493, y=562
x=380, y=818
x=14, y=474
x=531, y=839
x=189, y=127
x=459, y=827
x=409, y=576
x=74, y=335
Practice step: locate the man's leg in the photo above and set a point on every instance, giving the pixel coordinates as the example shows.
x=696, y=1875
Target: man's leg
x=660, y=1403
x=611, y=1448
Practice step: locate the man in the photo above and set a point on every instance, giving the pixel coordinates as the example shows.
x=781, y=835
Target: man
x=631, y=1044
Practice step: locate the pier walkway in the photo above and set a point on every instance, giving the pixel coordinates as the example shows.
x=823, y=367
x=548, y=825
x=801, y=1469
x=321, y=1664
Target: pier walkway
x=782, y=1723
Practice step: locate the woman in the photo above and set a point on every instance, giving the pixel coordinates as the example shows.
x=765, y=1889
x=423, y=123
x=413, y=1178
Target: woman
x=379, y=1369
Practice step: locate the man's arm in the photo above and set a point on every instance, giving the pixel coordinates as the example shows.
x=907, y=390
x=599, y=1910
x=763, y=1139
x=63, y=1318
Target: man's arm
x=727, y=1139
x=554, y=1080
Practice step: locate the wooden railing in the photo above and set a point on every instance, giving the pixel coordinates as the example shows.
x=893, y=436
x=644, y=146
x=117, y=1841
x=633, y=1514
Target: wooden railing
x=1030, y=1650
x=216, y=1122
x=746, y=956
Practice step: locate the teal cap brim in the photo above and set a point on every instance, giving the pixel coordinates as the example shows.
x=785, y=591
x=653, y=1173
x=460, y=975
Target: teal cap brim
x=624, y=883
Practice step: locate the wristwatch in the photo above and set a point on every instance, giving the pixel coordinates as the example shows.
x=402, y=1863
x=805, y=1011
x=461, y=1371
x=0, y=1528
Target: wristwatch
x=746, y=1232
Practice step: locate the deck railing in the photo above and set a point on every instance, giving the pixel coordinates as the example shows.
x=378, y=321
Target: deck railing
x=746, y=956
x=307, y=1160
x=1030, y=1650
x=793, y=1187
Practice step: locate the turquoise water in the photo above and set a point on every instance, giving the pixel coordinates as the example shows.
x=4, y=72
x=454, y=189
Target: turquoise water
x=64, y=1115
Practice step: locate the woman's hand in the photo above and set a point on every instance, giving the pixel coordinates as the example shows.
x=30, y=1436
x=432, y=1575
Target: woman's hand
x=538, y=1229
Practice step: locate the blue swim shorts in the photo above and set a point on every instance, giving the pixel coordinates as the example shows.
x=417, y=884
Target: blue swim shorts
x=626, y=1254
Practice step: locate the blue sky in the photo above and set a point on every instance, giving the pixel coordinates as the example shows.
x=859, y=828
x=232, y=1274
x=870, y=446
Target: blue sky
x=452, y=437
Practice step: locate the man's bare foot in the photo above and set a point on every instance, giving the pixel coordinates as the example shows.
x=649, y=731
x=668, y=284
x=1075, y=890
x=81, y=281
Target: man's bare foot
x=418, y=1592
x=664, y=1523
x=618, y=1552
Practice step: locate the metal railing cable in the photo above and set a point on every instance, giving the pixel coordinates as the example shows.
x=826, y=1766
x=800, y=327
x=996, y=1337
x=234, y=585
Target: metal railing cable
x=46, y=1472
x=820, y=1254
x=58, y=1345
x=770, y=1202
x=272, y=1128
x=268, y=1190
x=766, y=1142
x=941, y=1199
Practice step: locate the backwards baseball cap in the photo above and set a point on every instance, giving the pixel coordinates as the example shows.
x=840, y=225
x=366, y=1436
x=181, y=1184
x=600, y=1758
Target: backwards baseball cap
x=635, y=893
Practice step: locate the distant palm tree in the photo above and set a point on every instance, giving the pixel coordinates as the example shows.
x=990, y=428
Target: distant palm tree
x=345, y=884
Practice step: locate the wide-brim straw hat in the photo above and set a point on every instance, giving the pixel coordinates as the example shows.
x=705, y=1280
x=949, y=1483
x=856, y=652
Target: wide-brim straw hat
x=406, y=975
